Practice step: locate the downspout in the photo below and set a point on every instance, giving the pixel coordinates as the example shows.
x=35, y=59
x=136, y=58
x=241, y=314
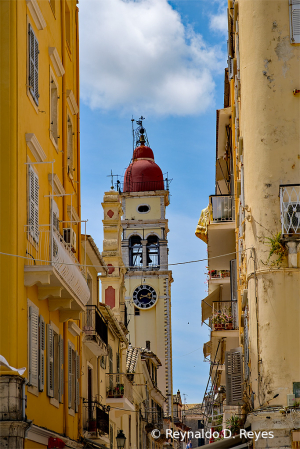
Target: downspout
x=64, y=170
x=79, y=212
x=78, y=131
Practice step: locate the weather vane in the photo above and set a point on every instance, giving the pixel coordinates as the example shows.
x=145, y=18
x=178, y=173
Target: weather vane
x=139, y=135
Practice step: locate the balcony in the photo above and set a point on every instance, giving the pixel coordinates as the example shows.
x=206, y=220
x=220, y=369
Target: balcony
x=221, y=232
x=119, y=391
x=95, y=419
x=224, y=315
x=95, y=329
x=290, y=210
x=52, y=266
x=223, y=208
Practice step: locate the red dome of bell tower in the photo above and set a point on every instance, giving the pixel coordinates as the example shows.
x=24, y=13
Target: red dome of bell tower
x=143, y=174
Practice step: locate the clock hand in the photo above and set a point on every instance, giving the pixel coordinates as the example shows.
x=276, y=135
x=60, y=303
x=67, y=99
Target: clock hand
x=146, y=296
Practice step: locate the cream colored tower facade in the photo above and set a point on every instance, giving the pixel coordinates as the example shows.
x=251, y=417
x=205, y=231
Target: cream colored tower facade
x=145, y=253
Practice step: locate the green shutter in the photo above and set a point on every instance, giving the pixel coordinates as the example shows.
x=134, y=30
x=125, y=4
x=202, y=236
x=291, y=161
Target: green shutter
x=69, y=375
x=33, y=346
x=42, y=354
x=33, y=47
x=61, y=369
x=50, y=362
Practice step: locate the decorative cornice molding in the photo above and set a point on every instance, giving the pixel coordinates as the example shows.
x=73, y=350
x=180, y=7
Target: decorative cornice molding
x=56, y=61
x=36, y=14
x=72, y=102
x=74, y=329
x=35, y=147
x=72, y=214
x=58, y=188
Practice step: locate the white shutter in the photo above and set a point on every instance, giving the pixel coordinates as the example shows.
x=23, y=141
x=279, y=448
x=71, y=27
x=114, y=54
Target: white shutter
x=295, y=21
x=42, y=355
x=33, y=346
x=69, y=375
x=77, y=380
x=61, y=369
x=50, y=362
x=33, y=209
x=33, y=47
x=234, y=377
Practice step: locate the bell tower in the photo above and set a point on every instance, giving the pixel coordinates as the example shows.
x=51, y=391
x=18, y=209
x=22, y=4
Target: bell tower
x=145, y=252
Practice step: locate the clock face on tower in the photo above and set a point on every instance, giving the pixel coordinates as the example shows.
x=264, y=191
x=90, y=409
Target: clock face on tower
x=144, y=297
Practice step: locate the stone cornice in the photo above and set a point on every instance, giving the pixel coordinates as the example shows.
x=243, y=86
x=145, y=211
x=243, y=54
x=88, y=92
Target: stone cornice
x=72, y=102
x=57, y=185
x=56, y=61
x=36, y=14
x=35, y=147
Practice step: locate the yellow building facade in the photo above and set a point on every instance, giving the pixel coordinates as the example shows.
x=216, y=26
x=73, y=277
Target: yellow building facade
x=43, y=285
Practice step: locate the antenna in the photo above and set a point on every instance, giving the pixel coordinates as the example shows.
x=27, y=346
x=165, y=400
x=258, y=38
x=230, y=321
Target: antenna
x=132, y=121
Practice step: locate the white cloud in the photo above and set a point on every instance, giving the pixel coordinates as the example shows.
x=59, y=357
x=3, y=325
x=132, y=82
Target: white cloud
x=219, y=22
x=137, y=55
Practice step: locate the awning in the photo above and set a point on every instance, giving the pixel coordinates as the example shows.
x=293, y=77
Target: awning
x=201, y=230
x=207, y=303
x=207, y=348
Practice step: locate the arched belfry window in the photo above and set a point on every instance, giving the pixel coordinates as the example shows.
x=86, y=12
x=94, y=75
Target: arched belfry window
x=152, y=251
x=135, y=251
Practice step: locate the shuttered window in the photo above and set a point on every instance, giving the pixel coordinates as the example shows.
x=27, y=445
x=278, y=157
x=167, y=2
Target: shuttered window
x=234, y=377
x=61, y=369
x=70, y=150
x=33, y=64
x=233, y=280
x=70, y=375
x=33, y=204
x=73, y=378
x=295, y=21
x=50, y=361
x=33, y=346
x=77, y=380
x=54, y=111
x=42, y=344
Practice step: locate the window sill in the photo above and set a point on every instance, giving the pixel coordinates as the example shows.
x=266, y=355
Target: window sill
x=33, y=390
x=54, y=402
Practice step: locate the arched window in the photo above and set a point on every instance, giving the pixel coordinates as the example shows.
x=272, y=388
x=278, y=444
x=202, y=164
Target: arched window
x=152, y=251
x=135, y=251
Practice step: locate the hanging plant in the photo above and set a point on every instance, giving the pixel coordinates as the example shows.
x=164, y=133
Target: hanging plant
x=278, y=248
x=234, y=424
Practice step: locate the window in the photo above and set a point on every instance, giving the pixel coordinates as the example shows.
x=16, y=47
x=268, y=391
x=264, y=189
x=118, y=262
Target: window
x=110, y=367
x=148, y=344
x=68, y=26
x=201, y=442
x=33, y=65
x=70, y=150
x=152, y=251
x=73, y=378
x=200, y=424
x=143, y=208
x=33, y=206
x=135, y=251
x=55, y=350
x=136, y=311
x=36, y=348
x=55, y=215
x=103, y=361
x=53, y=111
x=117, y=366
x=295, y=21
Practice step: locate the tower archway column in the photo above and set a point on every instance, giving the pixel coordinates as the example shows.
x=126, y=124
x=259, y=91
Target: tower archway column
x=144, y=243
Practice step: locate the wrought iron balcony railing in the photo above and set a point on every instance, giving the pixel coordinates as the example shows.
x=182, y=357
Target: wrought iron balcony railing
x=46, y=247
x=119, y=387
x=95, y=417
x=290, y=209
x=219, y=274
x=224, y=315
x=223, y=208
x=94, y=323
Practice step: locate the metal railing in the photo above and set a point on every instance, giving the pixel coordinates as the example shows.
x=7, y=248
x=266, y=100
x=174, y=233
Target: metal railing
x=95, y=417
x=219, y=274
x=94, y=323
x=52, y=250
x=290, y=209
x=222, y=208
x=119, y=387
x=224, y=315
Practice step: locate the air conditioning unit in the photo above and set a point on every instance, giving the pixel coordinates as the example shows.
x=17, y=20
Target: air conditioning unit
x=70, y=238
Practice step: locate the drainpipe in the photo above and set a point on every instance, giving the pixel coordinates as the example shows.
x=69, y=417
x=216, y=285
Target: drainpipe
x=78, y=132
x=64, y=111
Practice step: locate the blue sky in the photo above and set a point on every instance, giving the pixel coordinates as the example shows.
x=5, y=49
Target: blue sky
x=164, y=60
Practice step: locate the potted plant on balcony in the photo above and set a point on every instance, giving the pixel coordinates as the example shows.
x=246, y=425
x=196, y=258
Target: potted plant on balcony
x=216, y=321
x=234, y=424
x=119, y=391
x=229, y=322
x=110, y=393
